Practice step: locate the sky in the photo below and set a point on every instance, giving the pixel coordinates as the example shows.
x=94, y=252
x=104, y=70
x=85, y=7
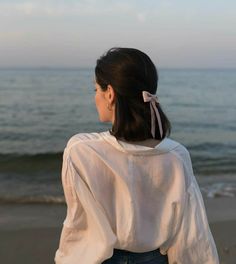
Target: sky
x=70, y=33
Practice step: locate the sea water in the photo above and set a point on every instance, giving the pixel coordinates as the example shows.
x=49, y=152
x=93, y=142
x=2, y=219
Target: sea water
x=40, y=109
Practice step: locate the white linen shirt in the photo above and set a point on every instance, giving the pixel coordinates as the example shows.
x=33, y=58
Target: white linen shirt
x=131, y=197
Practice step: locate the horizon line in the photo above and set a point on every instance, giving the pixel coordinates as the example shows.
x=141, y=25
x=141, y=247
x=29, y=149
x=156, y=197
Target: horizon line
x=93, y=67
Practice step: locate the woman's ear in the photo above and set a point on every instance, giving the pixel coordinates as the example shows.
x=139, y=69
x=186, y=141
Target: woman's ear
x=110, y=94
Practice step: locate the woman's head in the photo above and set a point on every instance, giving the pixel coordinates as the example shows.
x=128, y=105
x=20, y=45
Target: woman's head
x=121, y=76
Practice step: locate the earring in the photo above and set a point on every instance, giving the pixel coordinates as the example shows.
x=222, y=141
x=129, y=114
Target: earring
x=109, y=107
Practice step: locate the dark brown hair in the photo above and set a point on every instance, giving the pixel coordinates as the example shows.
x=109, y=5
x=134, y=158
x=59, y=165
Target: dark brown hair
x=130, y=71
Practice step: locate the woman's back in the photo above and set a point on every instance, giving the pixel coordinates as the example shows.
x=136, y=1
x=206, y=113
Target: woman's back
x=140, y=192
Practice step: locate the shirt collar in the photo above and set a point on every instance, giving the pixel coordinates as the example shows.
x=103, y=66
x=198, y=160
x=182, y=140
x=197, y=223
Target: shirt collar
x=164, y=146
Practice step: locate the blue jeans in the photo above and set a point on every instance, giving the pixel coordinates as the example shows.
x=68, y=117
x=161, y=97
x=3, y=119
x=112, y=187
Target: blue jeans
x=126, y=257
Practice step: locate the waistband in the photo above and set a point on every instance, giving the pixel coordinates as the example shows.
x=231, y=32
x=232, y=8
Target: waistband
x=125, y=256
x=126, y=252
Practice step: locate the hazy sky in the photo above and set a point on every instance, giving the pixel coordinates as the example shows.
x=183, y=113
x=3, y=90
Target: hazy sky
x=175, y=33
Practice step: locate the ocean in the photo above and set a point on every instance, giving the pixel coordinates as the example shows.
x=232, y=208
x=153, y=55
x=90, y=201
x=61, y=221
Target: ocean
x=40, y=109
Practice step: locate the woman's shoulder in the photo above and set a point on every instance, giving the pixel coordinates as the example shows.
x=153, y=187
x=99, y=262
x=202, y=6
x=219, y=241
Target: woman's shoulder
x=177, y=144
x=180, y=150
x=83, y=138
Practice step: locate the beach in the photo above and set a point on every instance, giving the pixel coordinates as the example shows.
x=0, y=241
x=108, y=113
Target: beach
x=32, y=208
x=29, y=234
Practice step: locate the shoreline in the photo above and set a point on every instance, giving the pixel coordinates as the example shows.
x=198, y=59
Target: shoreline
x=31, y=233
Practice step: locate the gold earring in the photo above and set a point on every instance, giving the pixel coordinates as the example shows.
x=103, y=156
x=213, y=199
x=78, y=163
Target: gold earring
x=109, y=107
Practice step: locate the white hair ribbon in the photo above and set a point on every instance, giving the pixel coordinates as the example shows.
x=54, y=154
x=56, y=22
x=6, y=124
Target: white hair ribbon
x=153, y=99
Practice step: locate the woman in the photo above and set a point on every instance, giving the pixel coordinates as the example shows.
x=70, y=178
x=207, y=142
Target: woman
x=131, y=193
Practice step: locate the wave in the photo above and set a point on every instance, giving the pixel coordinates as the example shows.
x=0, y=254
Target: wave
x=213, y=158
x=219, y=189
x=212, y=147
x=209, y=190
x=27, y=163
x=207, y=158
x=203, y=146
x=25, y=157
x=46, y=199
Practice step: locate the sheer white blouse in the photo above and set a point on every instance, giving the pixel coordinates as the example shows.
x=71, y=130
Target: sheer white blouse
x=131, y=197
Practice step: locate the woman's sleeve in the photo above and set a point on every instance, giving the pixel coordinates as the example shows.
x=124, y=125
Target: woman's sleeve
x=193, y=242
x=75, y=221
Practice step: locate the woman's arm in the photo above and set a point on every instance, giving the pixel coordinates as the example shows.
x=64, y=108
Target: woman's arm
x=75, y=221
x=193, y=242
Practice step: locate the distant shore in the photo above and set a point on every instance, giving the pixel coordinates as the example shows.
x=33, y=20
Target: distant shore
x=29, y=234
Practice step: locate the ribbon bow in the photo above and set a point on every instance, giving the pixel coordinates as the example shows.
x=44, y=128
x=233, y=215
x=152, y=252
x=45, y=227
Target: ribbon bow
x=153, y=99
